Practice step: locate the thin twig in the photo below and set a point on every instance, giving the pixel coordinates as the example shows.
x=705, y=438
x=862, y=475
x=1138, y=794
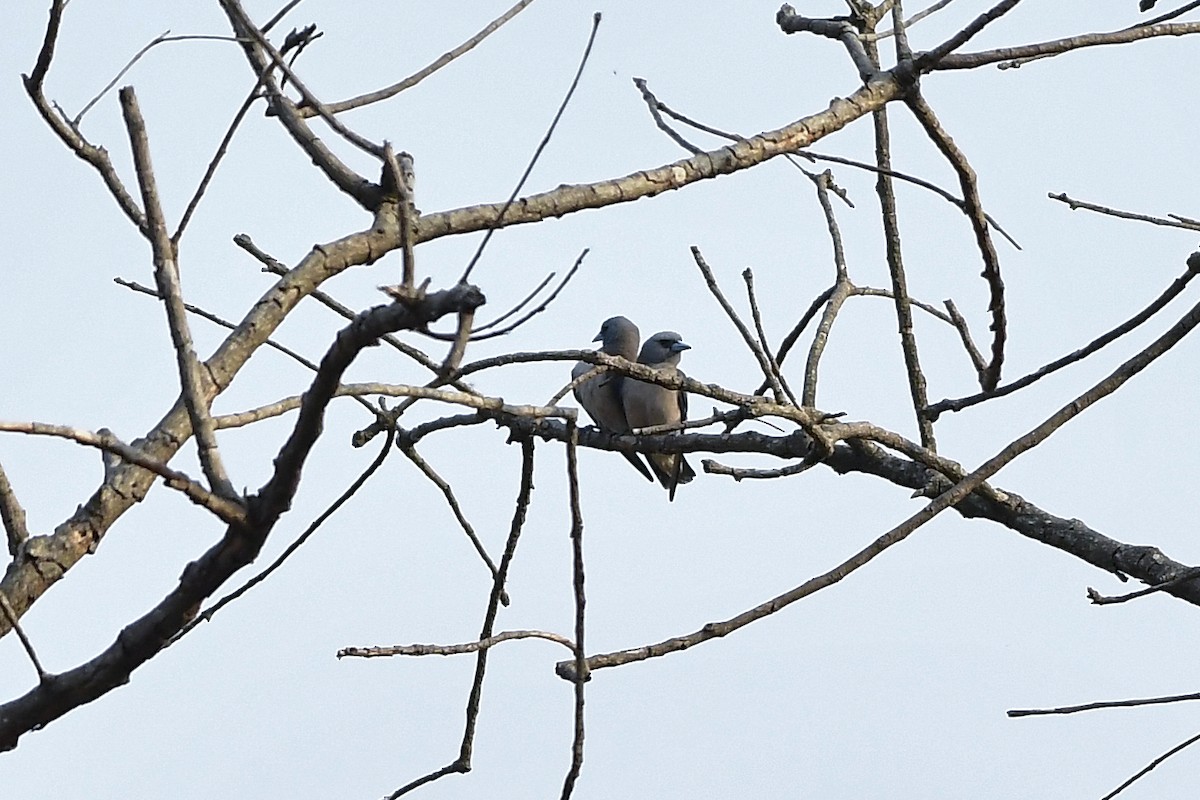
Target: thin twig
x=1102, y=600
x=452, y=649
x=517, y=308
x=741, y=473
x=207, y=614
x=537, y=153
x=463, y=762
x=1145, y=701
x=1175, y=222
x=476, y=336
x=964, y=333
x=420, y=75
x=1059, y=46
x=1171, y=292
x=1141, y=773
x=15, y=624
x=764, y=363
x=279, y=15
x=448, y=493
x=213, y=163
x=161, y=38
x=755, y=314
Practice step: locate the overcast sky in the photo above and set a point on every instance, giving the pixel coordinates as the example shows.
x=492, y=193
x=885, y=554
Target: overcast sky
x=893, y=683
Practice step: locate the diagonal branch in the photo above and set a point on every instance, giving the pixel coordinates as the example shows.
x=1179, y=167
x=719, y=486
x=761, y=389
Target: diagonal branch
x=12, y=515
x=1170, y=293
x=166, y=275
x=412, y=80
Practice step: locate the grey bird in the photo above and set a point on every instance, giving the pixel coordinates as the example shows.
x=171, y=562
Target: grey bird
x=601, y=396
x=647, y=405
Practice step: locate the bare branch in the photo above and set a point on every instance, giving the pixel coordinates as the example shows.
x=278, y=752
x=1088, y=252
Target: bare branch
x=229, y=510
x=764, y=363
x=1101, y=600
x=213, y=163
x=463, y=762
x=1057, y=46
x=417, y=77
x=934, y=58
x=964, y=333
x=577, y=580
x=12, y=515
x=1171, y=292
x=70, y=135
x=1149, y=701
x=452, y=649
x=537, y=153
x=650, y=182
x=365, y=193
x=166, y=275
x=400, y=171
x=838, y=28
x=969, y=182
x=756, y=315
x=1141, y=773
x=429, y=472
x=11, y=616
x=895, y=259
x=208, y=613
x=1175, y=222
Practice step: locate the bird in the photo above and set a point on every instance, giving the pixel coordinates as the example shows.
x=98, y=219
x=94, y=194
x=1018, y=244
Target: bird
x=601, y=396
x=647, y=404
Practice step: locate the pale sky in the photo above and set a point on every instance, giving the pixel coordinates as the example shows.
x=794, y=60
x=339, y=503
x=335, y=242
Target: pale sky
x=893, y=683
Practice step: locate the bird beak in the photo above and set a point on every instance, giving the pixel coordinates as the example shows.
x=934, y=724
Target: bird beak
x=679, y=347
x=599, y=337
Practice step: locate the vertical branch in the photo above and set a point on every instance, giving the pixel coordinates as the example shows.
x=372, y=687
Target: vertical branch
x=537, y=153
x=764, y=363
x=891, y=228
x=463, y=762
x=990, y=377
x=166, y=275
x=12, y=515
x=402, y=174
x=756, y=315
x=581, y=670
x=837, y=295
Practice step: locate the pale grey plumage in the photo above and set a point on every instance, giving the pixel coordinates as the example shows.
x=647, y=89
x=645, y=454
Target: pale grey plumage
x=647, y=405
x=600, y=396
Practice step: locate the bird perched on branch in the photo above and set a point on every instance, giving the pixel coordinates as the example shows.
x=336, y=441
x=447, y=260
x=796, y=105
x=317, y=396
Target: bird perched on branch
x=601, y=396
x=647, y=405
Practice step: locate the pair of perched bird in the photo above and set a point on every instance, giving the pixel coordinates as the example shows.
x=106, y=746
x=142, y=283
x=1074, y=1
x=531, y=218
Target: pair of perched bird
x=618, y=404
